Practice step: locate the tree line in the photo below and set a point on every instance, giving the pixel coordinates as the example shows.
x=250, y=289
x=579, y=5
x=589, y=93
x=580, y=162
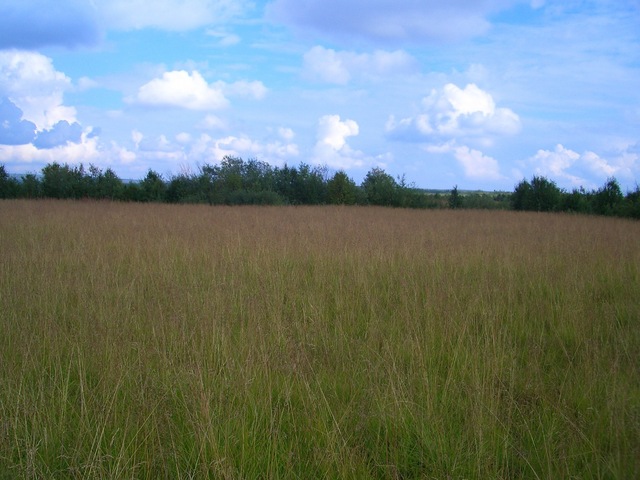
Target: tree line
x=235, y=181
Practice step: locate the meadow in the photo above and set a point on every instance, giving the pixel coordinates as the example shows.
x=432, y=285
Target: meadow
x=187, y=341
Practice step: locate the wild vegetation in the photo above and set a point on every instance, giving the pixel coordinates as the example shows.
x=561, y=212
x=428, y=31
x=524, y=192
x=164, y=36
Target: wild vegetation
x=235, y=181
x=189, y=341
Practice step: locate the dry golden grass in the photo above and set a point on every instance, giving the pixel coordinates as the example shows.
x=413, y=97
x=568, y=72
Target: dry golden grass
x=156, y=341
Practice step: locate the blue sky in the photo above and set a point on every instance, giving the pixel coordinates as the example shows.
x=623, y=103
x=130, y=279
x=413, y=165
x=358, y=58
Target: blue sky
x=474, y=93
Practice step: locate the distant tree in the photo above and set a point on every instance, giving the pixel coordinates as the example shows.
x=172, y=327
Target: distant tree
x=9, y=187
x=455, y=199
x=310, y=187
x=608, y=199
x=341, y=190
x=576, y=201
x=541, y=195
x=153, y=187
x=64, y=181
x=105, y=184
x=380, y=187
x=632, y=203
x=31, y=186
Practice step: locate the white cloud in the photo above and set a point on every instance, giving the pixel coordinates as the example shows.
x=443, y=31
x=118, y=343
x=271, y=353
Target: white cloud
x=174, y=15
x=32, y=83
x=452, y=112
x=332, y=149
x=212, y=122
x=180, y=89
x=563, y=164
x=88, y=150
x=191, y=91
x=340, y=67
x=186, y=150
x=476, y=165
x=273, y=152
x=554, y=163
x=334, y=132
x=286, y=133
x=243, y=88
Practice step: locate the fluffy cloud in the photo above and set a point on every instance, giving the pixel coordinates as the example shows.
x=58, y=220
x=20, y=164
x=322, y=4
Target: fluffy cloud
x=476, y=165
x=86, y=151
x=191, y=91
x=389, y=20
x=332, y=149
x=565, y=165
x=180, y=89
x=340, y=66
x=33, y=24
x=452, y=112
x=186, y=150
x=33, y=85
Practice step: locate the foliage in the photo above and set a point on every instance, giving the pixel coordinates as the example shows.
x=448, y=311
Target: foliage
x=455, y=199
x=341, y=189
x=235, y=181
x=608, y=199
x=8, y=186
x=541, y=195
x=380, y=187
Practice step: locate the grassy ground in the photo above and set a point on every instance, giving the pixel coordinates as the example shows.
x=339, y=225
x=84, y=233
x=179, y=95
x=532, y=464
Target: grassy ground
x=164, y=341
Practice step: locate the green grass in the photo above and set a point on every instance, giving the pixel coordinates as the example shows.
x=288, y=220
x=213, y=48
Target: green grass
x=164, y=341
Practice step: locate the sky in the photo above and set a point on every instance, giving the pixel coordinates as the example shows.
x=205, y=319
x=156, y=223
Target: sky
x=478, y=94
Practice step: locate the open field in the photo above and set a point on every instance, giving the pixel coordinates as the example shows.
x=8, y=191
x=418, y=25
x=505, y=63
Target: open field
x=166, y=341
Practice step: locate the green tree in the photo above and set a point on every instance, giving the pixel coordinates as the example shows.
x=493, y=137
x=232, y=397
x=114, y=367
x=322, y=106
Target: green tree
x=632, y=203
x=541, y=195
x=64, y=181
x=380, y=187
x=455, y=199
x=8, y=186
x=31, y=186
x=608, y=200
x=341, y=190
x=153, y=187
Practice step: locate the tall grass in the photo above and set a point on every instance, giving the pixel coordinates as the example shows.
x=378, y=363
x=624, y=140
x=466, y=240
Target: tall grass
x=164, y=341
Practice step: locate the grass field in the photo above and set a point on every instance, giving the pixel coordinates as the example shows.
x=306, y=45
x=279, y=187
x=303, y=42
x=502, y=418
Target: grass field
x=165, y=341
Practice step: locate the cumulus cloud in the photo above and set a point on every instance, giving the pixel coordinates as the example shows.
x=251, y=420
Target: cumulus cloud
x=32, y=24
x=13, y=129
x=87, y=150
x=452, y=112
x=476, y=165
x=272, y=151
x=33, y=84
x=340, y=67
x=191, y=91
x=332, y=149
x=180, y=89
x=389, y=20
x=564, y=164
